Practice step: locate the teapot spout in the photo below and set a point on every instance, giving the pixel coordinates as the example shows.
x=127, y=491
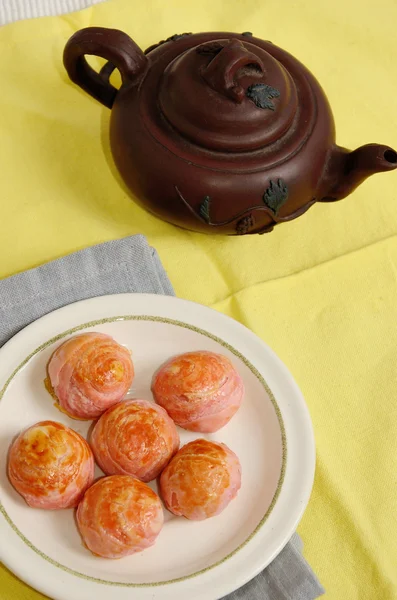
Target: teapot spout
x=349, y=169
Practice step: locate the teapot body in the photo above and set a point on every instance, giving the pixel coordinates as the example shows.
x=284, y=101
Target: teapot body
x=205, y=190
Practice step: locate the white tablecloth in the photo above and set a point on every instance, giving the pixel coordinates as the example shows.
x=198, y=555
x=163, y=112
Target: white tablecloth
x=13, y=10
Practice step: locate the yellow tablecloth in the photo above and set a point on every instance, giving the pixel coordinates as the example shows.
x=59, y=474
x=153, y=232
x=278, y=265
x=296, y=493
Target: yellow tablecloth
x=322, y=290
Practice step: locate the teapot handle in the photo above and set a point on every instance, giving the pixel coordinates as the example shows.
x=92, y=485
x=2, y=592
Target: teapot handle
x=114, y=45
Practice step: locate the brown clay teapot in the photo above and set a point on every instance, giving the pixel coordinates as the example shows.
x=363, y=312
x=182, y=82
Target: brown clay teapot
x=219, y=132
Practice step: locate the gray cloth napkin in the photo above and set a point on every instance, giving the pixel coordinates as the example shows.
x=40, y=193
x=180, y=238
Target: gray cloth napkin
x=131, y=265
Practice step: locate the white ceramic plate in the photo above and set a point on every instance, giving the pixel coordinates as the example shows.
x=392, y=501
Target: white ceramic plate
x=271, y=434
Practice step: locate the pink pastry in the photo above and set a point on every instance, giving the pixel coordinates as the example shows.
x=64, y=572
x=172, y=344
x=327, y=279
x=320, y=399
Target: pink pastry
x=201, y=480
x=50, y=465
x=136, y=438
x=89, y=373
x=119, y=515
x=201, y=391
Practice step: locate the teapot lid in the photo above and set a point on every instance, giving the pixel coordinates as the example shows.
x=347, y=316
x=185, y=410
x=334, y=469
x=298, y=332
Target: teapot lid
x=228, y=96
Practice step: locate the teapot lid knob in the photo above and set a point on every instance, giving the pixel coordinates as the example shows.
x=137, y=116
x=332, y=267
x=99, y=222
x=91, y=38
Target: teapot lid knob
x=223, y=70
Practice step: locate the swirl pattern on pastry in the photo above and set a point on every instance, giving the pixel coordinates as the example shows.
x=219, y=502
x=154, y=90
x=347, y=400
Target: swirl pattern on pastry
x=119, y=515
x=201, y=391
x=89, y=373
x=135, y=437
x=201, y=480
x=50, y=465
